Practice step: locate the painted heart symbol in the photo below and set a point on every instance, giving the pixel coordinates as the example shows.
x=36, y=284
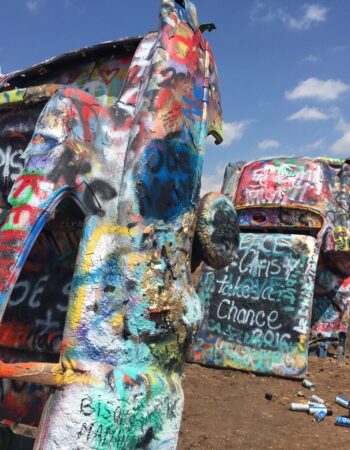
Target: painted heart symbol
x=107, y=75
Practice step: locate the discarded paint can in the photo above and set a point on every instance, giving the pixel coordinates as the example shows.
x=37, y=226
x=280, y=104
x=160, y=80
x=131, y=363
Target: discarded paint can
x=317, y=399
x=322, y=405
x=308, y=385
x=342, y=401
x=268, y=396
x=299, y=407
x=319, y=416
x=342, y=421
x=316, y=409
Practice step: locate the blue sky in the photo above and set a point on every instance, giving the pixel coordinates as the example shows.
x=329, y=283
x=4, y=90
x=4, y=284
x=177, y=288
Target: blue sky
x=284, y=65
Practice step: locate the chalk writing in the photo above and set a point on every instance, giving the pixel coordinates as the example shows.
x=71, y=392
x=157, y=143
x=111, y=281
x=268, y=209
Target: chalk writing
x=262, y=301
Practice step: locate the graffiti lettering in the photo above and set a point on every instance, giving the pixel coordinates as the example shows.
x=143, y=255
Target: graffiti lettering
x=10, y=162
x=261, y=301
x=247, y=316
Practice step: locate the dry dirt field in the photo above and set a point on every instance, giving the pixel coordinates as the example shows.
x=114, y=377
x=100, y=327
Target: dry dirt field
x=227, y=409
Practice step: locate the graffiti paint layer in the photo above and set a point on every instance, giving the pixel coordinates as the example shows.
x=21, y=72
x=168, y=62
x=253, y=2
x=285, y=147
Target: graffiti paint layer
x=303, y=201
x=122, y=138
x=258, y=308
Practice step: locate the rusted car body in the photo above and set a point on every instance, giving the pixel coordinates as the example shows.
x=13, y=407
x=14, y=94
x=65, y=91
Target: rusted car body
x=288, y=287
x=102, y=153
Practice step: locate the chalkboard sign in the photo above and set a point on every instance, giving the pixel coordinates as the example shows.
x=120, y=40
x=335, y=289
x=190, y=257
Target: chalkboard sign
x=258, y=309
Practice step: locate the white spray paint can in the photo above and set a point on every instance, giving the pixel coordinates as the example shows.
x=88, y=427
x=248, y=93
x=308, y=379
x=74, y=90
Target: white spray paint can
x=317, y=399
x=342, y=401
x=299, y=407
x=306, y=383
x=315, y=409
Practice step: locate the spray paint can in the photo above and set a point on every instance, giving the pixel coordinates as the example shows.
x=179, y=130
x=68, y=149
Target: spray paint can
x=342, y=421
x=306, y=383
x=316, y=404
x=299, y=407
x=342, y=401
x=316, y=409
x=317, y=399
x=319, y=416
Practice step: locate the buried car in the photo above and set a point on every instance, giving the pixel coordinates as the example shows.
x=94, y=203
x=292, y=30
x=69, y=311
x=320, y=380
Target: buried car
x=101, y=222
x=287, y=287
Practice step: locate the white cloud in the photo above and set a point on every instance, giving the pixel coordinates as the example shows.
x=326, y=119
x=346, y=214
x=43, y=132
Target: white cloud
x=311, y=59
x=318, y=89
x=304, y=149
x=342, y=125
x=315, y=13
x=213, y=182
x=233, y=131
x=311, y=14
x=281, y=155
x=262, y=12
x=342, y=145
x=308, y=114
x=32, y=5
x=270, y=11
x=315, y=145
x=268, y=144
x=337, y=49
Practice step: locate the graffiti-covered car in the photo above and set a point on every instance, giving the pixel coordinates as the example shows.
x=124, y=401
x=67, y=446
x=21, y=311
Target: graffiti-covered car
x=101, y=222
x=288, y=285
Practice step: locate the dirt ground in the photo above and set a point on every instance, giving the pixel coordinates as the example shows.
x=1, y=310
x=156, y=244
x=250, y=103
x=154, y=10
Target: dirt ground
x=227, y=409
